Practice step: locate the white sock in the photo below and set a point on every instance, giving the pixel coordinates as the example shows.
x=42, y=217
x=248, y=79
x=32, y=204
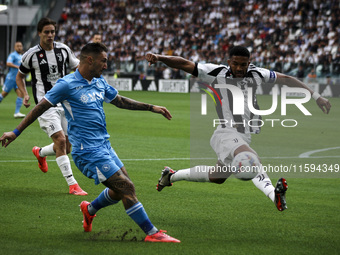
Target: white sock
x=65, y=168
x=193, y=174
x=47, y=150
x=263, y=183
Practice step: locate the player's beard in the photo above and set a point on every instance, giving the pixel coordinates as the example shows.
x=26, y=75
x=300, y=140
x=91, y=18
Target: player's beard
x=97, y=74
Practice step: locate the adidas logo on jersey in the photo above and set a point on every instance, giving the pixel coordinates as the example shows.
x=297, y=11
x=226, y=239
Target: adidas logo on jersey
x=42, y=62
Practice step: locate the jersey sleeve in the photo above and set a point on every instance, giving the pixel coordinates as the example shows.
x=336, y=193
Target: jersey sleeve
x=110, y=92
x=268, y=75
x=10, y=59
x=24, y=67
x=58, y=93
x=207, y=72
x=73, y=61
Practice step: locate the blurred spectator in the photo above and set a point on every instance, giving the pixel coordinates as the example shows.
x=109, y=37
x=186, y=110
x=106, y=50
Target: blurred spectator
x=142, y=76
x=167, y=73
x=97, y=38
x=311, y=77
x=329, y=80
x=158, y=73
x=176, y=74
x=300, y=73
x=63, y=17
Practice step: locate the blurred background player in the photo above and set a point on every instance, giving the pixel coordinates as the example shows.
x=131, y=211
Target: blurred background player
x=228, y=141
x=13, y=62
x=46, y=62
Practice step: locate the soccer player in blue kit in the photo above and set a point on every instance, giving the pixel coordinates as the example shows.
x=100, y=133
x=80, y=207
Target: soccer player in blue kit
x=13, y=62
x=82, y=95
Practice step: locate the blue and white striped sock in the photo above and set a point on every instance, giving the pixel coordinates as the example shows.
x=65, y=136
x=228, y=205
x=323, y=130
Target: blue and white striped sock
x=1, y=97
x=138, y=214
x=101, y=201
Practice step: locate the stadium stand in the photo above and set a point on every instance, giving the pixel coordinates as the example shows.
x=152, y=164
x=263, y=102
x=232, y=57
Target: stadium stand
x=280, y=34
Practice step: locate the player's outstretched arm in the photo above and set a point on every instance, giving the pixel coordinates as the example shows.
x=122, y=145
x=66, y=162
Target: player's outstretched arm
x=322, y=102
x=9, y=64
x=171, y=61
x=130, y=104
x=39, y=109
x=20, y=80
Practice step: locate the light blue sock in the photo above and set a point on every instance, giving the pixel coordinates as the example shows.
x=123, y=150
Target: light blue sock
x=101, y=201
x=1, y=97
x=138, y=214
x=18, y=104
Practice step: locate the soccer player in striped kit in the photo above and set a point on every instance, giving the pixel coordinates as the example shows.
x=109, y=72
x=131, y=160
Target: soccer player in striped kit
x=48, y=62
x=230, y=140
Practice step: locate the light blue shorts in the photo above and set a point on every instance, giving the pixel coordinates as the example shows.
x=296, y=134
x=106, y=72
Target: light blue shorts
x=98, y=163
x=9, y=85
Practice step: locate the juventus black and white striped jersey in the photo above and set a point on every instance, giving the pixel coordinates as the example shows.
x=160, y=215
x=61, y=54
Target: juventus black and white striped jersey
x=221, y=74
x=47, y=67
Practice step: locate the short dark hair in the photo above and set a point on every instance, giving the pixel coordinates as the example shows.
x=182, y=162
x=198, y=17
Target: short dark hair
x=239, y=51
x=92, y=48
x=44, y=22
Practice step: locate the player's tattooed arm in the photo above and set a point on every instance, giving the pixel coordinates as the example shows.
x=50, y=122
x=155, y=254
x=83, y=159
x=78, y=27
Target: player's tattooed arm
x=130, y=104
x=39, y=109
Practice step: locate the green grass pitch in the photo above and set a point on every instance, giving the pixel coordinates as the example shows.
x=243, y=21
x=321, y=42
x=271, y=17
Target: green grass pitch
x=39, y=217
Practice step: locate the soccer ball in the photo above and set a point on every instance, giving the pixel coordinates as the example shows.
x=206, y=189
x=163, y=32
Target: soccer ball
x=245, y=166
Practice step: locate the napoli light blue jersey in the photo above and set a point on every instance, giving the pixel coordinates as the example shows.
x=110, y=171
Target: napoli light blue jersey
x=15, y=59
x=83, y=104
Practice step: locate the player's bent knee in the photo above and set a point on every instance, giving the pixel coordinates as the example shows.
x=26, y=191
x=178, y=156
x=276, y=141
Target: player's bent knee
x=60, y=145
x=68, y=149
x=68, y=145
x=128, y=194
x=220, y=175
x=217, y=180
x=120, y=184
x=59, y=139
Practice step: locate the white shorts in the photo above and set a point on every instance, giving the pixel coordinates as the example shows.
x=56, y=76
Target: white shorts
x=53, y=121
x=225, y=141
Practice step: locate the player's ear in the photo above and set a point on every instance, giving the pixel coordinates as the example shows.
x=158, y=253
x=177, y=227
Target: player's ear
x=89, y=59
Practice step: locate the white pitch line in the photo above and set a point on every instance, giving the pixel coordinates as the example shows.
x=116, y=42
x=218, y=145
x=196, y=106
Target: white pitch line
x=308, y=153
x=169, y=159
